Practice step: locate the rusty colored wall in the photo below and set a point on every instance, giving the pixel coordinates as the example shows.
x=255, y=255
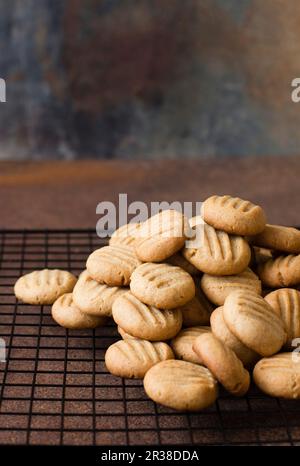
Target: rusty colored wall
x=140, y=78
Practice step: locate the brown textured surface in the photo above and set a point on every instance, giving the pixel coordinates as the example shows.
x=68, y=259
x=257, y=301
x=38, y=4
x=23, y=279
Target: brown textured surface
x=65, y=194
x=138, y=77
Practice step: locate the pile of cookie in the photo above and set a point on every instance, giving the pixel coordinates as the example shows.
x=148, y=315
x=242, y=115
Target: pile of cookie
x=190, y=315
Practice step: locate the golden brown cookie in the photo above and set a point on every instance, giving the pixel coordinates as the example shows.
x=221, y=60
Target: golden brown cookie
x=221, y=331
x=218, y=288
x=233, y=215
x=283, y=271
x=162, y=285
x=112, y=265
x=182, y=344
x=68, y=315
x=197, y=311
x=145, y=322
x=253, y=321
x=286, y=303
x=125, y=235
x=132, y=358
x=95, y=298
x=180, y=261
x=44, y=286
x=279, y=375
x=223, y=363
x=181, y=385
x=220, y=254
x=161, y=236
x=280, y=238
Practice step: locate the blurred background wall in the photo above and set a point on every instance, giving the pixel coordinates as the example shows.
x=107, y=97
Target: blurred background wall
x=149, y=78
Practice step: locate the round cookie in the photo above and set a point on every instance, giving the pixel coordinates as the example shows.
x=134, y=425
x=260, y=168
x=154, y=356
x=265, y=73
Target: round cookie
x=68, y=315
x=112, y=265
x=125, y=235
x=181, y=385
x=223, y=363
x=218, y=288
x=220, y=254
x=133, y=358
x=95, y=298
x=280, y=238
x=233, y=215
x=145, y=322
x=221, y=331
x=254, y=322
x=44, y=286
x=162, y=285
x=286, y=303
x=197, y=311
x=161, y=236
x=283, y=271
x=124, y=334
x=279, y=376
x=180, y=261
x=182, y=344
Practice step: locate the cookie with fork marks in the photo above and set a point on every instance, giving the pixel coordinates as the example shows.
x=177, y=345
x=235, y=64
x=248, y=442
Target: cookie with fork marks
x=234, y=215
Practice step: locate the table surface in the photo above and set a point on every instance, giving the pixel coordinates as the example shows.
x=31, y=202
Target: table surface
x=65, y=194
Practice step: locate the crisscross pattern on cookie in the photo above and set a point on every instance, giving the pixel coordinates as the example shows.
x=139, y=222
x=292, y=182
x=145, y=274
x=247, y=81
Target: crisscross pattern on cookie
x=184, y=373
x=162, y=285
x=168, y=224
x=93, y=297
x=280, y=362
x=252, y=305
x=112, y=265
x=234, y=215
x=118, y=256
x=144, y=321
x=161, y=236
x=254, y=322
x=279, y=376
x=125, y=235
x=220, y=253
x=133, y=357
x=286, y=303
x=218, y=288
x=281, y=271
x=44, y=286
x=233, y=202
x=67, y=314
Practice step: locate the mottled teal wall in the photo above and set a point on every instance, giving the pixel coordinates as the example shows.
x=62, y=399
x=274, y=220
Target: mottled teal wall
x=149, y=78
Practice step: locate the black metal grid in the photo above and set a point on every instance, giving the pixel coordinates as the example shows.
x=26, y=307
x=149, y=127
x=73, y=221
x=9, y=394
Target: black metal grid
x=54, y=388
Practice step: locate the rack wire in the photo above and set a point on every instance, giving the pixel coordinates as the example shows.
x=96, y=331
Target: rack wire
x=55, y=389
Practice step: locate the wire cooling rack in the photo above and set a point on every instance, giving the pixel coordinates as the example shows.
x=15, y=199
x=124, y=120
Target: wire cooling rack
x=54, y=388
